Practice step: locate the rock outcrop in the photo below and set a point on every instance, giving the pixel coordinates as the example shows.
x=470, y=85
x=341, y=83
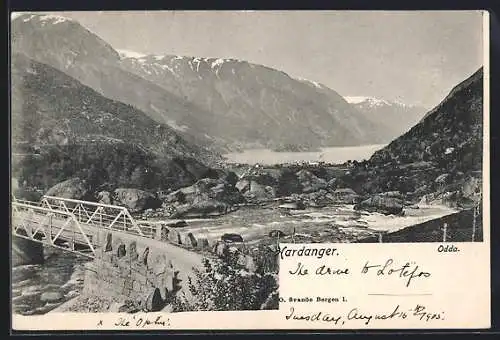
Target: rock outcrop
x=51, y=297
x=74, y=188
x=384, y=204
x=207, y=197
x=346, y=196
x=135, y=200
x=310, y=182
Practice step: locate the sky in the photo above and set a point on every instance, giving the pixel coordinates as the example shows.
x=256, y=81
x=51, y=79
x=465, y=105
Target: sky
x=412, y=57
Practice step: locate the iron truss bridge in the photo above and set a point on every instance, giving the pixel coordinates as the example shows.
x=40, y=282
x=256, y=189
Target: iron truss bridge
x=73, y=225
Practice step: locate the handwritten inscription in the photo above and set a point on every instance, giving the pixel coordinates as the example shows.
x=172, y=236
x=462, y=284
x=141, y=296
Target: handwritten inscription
x=418, y=313
x=140, y=321
x=408, y=271
x=321, y=270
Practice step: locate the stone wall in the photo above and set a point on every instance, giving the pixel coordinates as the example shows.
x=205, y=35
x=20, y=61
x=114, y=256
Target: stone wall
x=218, y=248
x=166, y=233
x=143, y=278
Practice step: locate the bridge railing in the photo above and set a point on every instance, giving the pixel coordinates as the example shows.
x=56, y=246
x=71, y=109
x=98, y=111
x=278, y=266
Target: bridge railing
x=105, y=216
x=58, y=228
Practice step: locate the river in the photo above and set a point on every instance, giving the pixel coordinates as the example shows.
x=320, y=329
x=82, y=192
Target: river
x=62, y=273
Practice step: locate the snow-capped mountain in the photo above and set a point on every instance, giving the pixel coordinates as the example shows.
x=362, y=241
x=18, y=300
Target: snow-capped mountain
x=257, y=106
x=71, y=48
x=129, y=54
x=226, y=103
x=368, y=100
x=397, y=117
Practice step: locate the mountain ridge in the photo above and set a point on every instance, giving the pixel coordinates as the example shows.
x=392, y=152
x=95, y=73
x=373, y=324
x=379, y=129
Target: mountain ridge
x=235, y=88
x=68, y=129
x=225, y=104
x=439, y=159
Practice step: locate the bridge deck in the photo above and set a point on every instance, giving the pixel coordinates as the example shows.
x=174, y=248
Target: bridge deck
x=59, y=226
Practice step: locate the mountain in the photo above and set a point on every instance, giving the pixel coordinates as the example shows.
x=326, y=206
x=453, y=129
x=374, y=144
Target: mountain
x=396, y=117
x=440, y=156
x=257, y=106
x=67, y=46
x=225, y=104
x=72, y=128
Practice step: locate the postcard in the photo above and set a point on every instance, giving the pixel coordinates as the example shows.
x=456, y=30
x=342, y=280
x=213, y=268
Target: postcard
x=211, y=170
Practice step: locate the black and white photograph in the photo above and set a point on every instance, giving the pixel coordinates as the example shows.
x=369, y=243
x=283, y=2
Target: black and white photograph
x=160, y=158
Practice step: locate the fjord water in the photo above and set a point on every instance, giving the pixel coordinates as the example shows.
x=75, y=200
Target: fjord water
x=333, y=155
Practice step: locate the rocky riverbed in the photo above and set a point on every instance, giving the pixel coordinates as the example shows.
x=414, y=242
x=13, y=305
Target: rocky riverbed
x=37, y=289
x=336, y=223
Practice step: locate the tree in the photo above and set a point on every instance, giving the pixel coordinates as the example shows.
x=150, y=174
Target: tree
x=223, y=285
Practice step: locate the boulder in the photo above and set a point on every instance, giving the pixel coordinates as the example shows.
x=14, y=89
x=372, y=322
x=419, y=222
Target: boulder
x=154, y=301
x=206, y=189
x=331, y=185
x=263, y=177
x=51, y=297
x=104, y=197
x=395, y=194
x=259, y=184
x=259, y=192
x=177, y=224
x=442, y=179
x=243, y=185
x=276, y=233
x=309, y=182
x=135, y=200
x=346, y=196
x=232, y=237
x=287, y=183
x=381, y=204
x=202, y=208
x=472, y=188
x=318, y=199
x=225, y=192
x=220, y=249
x=73, y=188
x=230, y=177
x=297, y=205
x=183, y=171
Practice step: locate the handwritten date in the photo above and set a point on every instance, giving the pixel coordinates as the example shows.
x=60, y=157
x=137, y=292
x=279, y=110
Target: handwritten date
x=419, y=313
